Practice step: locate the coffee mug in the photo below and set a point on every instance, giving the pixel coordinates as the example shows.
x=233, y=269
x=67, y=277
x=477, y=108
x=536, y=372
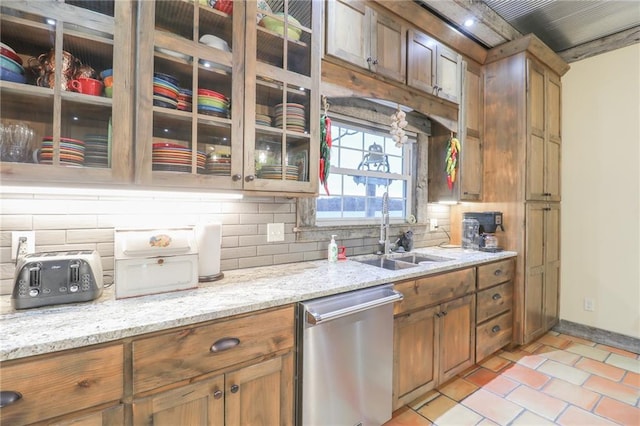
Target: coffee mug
x=342, y=252
x=88, y=86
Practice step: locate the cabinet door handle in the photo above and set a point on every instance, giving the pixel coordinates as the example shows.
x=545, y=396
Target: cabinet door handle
x=217, y=394
x=250, y=178
x=224, y=344
x=496, y=296
x=9, y=397
x=236, y=177
x=235, y=388
x=438, y=314
x=495, y=329
x=444, y=313
x=497, y=272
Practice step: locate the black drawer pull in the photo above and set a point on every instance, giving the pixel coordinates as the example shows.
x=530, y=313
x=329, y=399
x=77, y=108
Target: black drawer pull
x=9, y=397
x=224, y=344
x=496, y=296
x=497, y=272
x=495, y=329
x=235, y=388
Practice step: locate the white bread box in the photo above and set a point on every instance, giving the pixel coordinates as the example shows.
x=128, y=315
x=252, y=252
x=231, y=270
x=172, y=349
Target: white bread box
x=149, y=261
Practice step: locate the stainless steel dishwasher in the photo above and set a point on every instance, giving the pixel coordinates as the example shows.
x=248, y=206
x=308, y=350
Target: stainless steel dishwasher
x=345, y=358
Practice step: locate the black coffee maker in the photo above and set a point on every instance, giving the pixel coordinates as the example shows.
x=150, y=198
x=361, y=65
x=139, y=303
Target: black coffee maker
x=489, y=223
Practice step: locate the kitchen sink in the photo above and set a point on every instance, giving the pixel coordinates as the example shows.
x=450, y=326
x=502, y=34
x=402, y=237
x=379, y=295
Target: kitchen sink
x=391, y=264
x=421, y=258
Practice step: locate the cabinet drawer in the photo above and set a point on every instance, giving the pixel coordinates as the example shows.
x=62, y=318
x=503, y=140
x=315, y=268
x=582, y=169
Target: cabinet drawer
x=494, y=301
x=493, y=335
x=56, y=385
x=495, y=273
x=188, y=352
x=434, y=289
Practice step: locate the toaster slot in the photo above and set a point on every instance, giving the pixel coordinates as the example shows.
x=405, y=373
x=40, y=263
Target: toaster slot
x=34, y=275
x=74, y=271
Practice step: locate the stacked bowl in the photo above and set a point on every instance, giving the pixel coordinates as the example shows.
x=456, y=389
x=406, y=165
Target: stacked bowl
x=218, y=165
x=170, y=157
x=213, y=103
x=295, y=116
x=71, y=151
x=11, y=65
x=165, y=90
x=275, y=172
x=185, y=99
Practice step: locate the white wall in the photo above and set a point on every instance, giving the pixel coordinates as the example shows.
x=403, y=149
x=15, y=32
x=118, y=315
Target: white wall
x=600, y=191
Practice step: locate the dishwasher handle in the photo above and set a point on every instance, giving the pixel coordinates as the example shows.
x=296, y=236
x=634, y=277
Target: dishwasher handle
x=315, y=318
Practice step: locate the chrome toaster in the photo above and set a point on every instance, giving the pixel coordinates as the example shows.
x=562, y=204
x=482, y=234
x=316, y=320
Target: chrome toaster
x=53, y=278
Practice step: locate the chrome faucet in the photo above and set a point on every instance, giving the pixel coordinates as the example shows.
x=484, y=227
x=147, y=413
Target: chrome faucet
x=385, y=244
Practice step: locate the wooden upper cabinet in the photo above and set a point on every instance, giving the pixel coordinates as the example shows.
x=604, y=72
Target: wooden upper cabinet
x=471, y=155
x=366, y=37
x=432, y=67
x=544, y=145
x=61, y=133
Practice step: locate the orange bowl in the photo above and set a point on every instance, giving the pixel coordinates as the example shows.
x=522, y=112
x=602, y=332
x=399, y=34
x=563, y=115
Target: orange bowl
x=108, y=81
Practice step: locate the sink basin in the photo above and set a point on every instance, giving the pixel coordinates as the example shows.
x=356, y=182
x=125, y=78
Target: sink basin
x=421, y=258
x=391, y=264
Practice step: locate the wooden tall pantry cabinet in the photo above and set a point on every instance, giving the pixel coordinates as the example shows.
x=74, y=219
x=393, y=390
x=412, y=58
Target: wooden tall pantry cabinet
x=522, y=173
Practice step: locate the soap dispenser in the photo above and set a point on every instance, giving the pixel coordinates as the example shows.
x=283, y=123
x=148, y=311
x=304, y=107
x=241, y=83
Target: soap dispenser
x=332, y=251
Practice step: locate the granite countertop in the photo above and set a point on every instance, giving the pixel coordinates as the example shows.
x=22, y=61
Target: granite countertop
x=54, y=328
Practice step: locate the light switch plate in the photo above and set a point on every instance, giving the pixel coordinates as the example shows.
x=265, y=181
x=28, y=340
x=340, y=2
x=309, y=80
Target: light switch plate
x=275, y=232
x=433, y=224
x=30, y=247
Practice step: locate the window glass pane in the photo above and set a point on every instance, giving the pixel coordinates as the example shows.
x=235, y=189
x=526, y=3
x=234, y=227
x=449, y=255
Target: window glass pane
x=350, y=138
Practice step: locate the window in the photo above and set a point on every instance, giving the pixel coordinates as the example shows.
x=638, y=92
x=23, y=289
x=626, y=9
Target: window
x=365, y=163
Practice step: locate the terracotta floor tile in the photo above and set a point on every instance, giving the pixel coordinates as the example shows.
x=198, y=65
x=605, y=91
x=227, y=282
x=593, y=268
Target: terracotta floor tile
x=420, y=401
x=577, y=339
x=571, y=393
x=554, y=340
x=527, y=418
x=492, y=406
x=614, y=390
x=632, y=379
x=618, y=411
x=493, y=382
x=556, y=354
x=624, y=362
x=601, y=369
x=588, y=351
x=495, y=363
x=405, y=416
x=437, y=407
x=564, y=372
x=458, y=415
x=532, y=347
x=525, y=375
x=617, y=351
x=537, y=402
x=458, y=389
x=574, y=416
x=523, y=358
x=468, y=371
x=486, y=422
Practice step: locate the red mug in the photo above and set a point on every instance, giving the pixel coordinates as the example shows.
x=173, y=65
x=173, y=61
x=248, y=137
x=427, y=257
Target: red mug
x=342, y=252
x=88, y=86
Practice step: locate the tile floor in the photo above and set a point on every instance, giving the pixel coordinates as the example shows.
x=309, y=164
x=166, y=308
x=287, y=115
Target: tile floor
x=559, y=379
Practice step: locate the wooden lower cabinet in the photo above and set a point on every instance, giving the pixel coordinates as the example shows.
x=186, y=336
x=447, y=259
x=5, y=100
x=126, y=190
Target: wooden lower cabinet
x=253, y=395
x=109, y=416
x=457, y=336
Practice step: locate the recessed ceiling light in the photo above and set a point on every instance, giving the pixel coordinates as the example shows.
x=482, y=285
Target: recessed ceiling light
x=469, y=22
x=51, y=21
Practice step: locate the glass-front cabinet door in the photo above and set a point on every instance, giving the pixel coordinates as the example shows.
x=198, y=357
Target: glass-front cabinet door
x=64, y=78
x=190, y=93
x=282, y=114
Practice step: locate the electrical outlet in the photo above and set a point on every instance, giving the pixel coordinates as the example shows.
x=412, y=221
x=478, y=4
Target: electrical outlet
x=30, y=247
x=589, y=304
x=275, y=232
x=433, y=224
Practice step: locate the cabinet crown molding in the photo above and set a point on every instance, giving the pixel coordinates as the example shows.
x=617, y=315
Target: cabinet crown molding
x=532, y=44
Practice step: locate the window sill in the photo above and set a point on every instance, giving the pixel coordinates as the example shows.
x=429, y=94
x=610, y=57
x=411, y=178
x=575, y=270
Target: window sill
x=346, y=232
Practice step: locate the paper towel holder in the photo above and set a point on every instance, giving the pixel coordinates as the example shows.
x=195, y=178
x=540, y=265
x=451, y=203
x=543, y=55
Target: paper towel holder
x=209, y=240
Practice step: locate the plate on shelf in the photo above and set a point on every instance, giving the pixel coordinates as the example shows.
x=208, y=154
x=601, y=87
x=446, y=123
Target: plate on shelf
x=173, y=53
x=8, y=75
x=11, y=55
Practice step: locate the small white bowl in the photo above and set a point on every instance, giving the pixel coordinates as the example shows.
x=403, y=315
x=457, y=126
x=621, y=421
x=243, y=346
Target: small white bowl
x=213, y=41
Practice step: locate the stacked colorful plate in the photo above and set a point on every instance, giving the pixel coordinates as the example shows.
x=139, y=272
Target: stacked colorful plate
x=185, y=97
x=11, y=65
x=263, y=120
x=275, y=172
x=170, y=157
x=219, y=166
x=96, y=152
x=165, y=90
x=71, y=151
x=295, y=117
x=213, y=103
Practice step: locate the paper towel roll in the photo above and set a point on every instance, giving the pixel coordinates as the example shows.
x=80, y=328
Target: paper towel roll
x=209, y=240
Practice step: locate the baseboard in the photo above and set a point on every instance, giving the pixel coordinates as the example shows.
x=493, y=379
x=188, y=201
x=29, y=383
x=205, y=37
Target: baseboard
x=598, y=335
